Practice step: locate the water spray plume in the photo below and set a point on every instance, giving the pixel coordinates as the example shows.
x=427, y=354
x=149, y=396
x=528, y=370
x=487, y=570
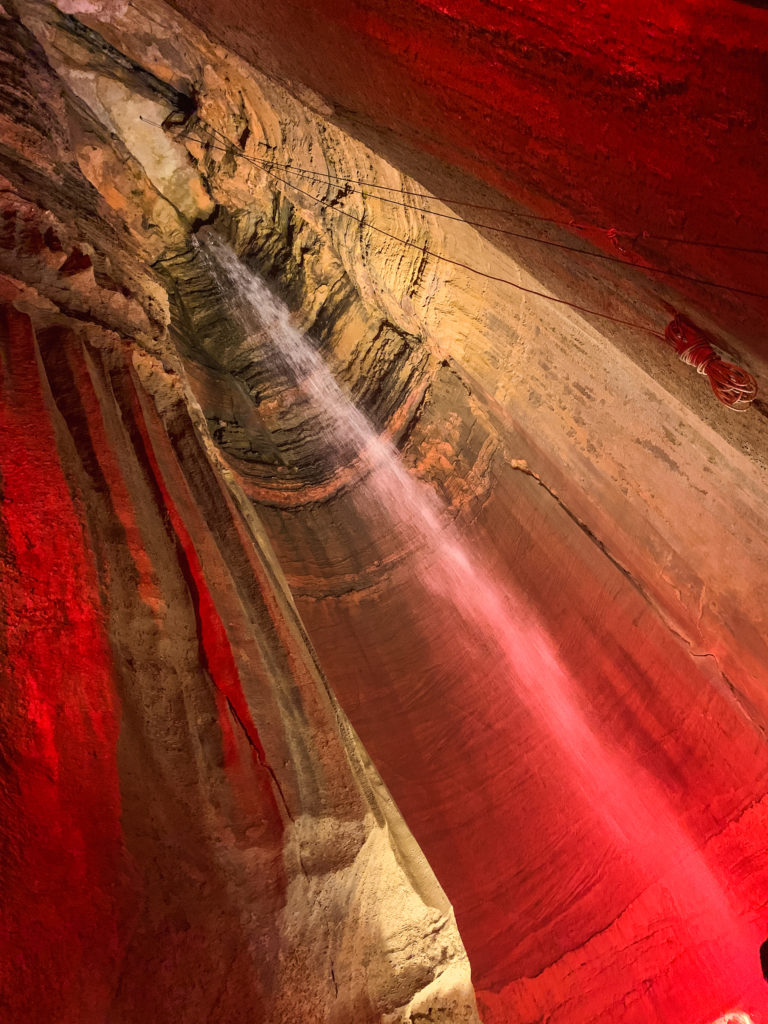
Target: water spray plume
x=636, y=816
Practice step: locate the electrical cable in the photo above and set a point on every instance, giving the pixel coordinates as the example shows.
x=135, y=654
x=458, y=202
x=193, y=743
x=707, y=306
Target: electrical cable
x=539, y=241
x=606, y=257
x=457, y=263
x=732, y=385
x=611, y=232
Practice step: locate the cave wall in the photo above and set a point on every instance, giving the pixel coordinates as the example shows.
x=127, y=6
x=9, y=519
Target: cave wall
x=191, y=829
x=643, y=117
x=220, y=559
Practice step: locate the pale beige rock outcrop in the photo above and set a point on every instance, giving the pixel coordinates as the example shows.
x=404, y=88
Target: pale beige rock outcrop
x=527, y=418
x=366, y=933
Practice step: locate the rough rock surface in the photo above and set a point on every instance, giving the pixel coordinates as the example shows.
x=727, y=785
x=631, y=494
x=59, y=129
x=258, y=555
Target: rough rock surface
x=642, y=116
x=191, y=830
x=181, y=777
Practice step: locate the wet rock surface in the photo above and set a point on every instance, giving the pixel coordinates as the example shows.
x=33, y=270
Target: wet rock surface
x=233, y=594
x=191, y=828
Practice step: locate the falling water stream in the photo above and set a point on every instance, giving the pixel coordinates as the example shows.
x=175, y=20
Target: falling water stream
x=622, y=795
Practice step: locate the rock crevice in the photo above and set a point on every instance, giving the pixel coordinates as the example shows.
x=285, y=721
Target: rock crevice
x=247, y=707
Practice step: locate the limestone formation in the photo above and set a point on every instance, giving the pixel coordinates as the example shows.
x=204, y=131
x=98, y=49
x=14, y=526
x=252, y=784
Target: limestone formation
x=290, y=733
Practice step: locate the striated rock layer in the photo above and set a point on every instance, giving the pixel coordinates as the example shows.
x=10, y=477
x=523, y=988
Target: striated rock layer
x=558, y=671
x=191, y=828
x=644, y=117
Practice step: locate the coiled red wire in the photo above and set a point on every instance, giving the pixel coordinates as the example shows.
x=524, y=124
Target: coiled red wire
x=732, y=385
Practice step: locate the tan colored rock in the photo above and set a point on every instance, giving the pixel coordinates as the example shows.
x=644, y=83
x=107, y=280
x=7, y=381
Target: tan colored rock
x=613, y=871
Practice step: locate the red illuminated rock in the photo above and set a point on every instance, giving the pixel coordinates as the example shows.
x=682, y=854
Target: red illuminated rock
x=191, y=830
x=204, y=591
x=643, y=117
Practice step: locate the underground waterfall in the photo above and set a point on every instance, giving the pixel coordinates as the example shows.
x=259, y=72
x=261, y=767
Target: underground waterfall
x=384, y=611
x=622, y=799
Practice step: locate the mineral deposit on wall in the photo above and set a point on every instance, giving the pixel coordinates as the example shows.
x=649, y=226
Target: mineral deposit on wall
x=419, y=674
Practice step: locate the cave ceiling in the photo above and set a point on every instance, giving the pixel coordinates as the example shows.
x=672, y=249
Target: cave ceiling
x=384, y=602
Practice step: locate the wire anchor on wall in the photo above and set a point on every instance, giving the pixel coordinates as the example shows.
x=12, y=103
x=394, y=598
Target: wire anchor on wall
x=732, y=385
